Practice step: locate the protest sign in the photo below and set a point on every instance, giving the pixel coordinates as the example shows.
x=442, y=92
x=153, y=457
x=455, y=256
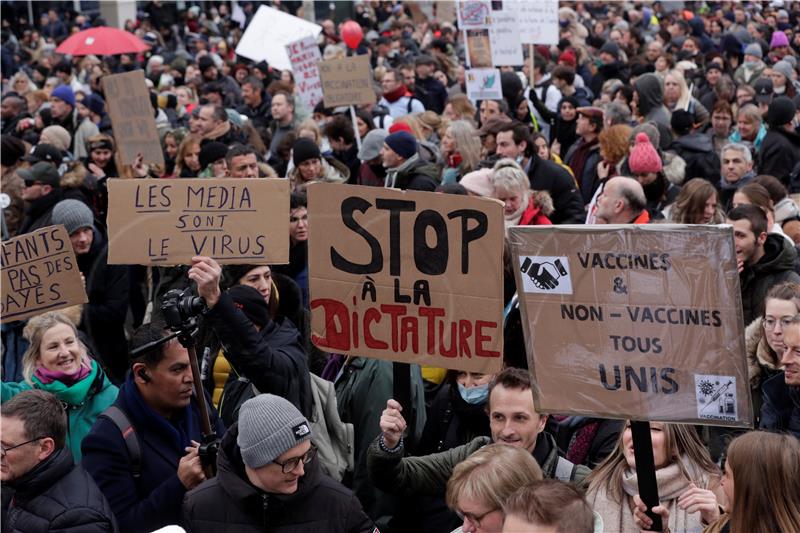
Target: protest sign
x=505, y=39
x=347, y=81
x=132, y=120
x=640, y=322
x=473, y=14
x=406, y=276
x=167, y=222
x=304, y=56
x=269, y=32
x=483, y=84
x=538, y=21
x=479, y=49
x=40, y=274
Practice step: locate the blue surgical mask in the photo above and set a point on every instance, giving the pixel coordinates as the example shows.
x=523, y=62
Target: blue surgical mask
x=474, y=395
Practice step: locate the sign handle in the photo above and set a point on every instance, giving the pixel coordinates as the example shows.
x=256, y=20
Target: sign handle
x=646, y=470
x=355, y=127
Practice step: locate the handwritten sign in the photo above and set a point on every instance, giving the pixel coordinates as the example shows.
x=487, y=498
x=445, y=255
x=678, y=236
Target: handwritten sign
x=132, y=119
x=304, y=55
x=483, y=84
x=640, y=322
x=406, y=276
x=538, y=21
x=167, y=222
x=40, y=274
x=505, y=39
x=347, y=81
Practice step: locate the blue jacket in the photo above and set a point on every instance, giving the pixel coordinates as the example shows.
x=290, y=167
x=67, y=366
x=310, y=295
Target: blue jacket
x=154, y=500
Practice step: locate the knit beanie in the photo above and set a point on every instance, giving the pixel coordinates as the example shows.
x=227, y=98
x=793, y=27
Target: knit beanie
x=783, y=67
x=252, y=303
x=402, y=143
x=781, y=111
x=13, y=149
x=65, y=93
x=399, y=126
x=643, y=157
x=205, y=62
x=303, y=150
x=73, y=214
x=95, y=103
x=479, y=182
x=58, y=137
x=269, y=426
x=778, y=39
x=612, y=48
x=231, y=274
x=753, y=49
x=211, y=152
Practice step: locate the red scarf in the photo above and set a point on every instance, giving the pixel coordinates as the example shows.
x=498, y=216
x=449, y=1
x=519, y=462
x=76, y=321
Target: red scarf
x=393, y=96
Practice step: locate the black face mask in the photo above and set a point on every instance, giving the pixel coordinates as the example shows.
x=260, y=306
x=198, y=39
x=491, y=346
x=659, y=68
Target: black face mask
x=655, y=191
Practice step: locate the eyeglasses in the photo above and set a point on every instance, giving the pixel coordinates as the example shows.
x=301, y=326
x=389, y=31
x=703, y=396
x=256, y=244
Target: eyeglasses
x=475, y=520
x=770, y=322
x=5, y=449
x=291, y=464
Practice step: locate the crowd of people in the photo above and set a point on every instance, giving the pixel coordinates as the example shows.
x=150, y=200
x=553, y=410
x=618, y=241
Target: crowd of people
x=643, y=112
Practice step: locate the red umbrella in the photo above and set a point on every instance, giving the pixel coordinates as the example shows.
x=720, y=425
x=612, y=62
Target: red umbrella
x=102, y=41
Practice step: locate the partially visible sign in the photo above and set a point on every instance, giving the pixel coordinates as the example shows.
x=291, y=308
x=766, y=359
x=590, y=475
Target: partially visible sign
x=637, y=322
x=483, y=84
x=538, y=20
x=132, y=119
x=505, y=38
x=479, y=48
x=40, y=274
x=268, y=33
x=304, y=55
x=347, y=81
x=406, y=276
x=167, y=222
x=473, y=14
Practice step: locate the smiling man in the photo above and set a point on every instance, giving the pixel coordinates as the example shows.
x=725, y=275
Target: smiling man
x=269, y=478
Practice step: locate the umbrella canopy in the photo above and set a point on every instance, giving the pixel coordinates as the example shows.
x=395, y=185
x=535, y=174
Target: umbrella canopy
x=102, y=41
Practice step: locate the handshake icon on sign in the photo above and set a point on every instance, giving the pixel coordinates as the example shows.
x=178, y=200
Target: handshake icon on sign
x=544, y=275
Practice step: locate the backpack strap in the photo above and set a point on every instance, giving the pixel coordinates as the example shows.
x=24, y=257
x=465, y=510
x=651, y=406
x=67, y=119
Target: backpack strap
x=565, y=469
x=123, y=423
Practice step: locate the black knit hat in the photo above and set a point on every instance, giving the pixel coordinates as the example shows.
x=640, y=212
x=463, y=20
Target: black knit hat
x=251, y=303
x=211, y=152
x=303, y=150
x=781, y=111
x=231, y=274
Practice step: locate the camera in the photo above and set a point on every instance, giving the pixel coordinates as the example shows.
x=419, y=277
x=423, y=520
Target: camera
x=180, y=310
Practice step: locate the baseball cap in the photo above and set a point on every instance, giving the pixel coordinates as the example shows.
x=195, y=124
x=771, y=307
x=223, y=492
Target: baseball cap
x=44, y=152
x=44, y=173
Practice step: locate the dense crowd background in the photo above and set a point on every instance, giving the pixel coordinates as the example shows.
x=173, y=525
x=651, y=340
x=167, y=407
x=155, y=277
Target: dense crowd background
x=643, y=112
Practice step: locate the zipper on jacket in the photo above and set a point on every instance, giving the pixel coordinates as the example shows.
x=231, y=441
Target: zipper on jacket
x=264, y=508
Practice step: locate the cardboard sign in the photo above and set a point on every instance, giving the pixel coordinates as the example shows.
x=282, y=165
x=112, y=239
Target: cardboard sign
x=167, y=222
x=269, y=32
x=347, y=81
x=304, y=55
x=474, y=14
x=483, y=84
x=406, y=276
x=128, y=101
x=538, y=21
x=505, y=39
x=641, y=322
x=40, y=274
x=479, y=48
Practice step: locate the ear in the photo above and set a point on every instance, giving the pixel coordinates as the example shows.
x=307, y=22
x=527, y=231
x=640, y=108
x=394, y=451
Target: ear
x=761, y=239
x=46, y=447
x=137, y=369
x=47, y=189
x=542, y=422
x=523, y=146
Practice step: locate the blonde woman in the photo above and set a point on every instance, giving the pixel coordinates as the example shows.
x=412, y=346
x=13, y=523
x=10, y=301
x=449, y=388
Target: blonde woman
x=58, y=362
x=461, y=150
x=523, y=207
x=678, y=96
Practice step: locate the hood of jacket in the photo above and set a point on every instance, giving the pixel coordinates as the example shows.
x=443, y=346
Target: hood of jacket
x=695, y=142
x=786, y=209
x=759, y=353
x=779, y=256
x=651, y=93
x=419, y=166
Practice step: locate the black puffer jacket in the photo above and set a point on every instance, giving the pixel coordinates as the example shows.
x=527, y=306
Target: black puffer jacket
x=776, y=266
x=57, y=495
x=548, y=176
x=779, y=153
x=230, y=503
x=698, y=152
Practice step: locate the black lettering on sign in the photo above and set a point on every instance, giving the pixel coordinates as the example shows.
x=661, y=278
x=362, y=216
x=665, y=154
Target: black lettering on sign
x=637, y=378
x=395, y=207
x=430, y=260
x=350, y=206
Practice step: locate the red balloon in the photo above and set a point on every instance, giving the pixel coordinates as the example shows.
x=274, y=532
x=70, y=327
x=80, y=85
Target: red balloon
x=352, y=34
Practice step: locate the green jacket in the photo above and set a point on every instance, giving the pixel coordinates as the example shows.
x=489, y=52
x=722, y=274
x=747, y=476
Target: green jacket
x=429, y=474
x=84, y=401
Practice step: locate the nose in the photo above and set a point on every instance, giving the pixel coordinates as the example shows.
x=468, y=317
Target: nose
x=786, y=357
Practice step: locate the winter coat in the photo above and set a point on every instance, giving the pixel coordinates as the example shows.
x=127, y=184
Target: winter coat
x=432, y=93
x=84, y=401
x=749, y=77
x=652, y=108
x=39, y=212
x=588, y=180
x=547, y=176
x=781, y=408
x=154, y=499
x=230, y=503
x=452, y=421
x=261, y=115
x=107, y=287
x=57, y=495
x=540, y=205
x=392, y=472
x=405, y=105
x=416, y=175
x=603, y=443
x=776, y=266
x=12, y=185
x=697, y=151
x=762, y=361
x=333, y=171
x=272, y=359
x=779, y=153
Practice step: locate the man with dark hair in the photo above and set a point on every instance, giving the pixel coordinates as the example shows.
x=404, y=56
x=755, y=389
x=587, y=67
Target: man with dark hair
x=159, y=410
x=257, y=102
x=210, y=73
x=341, y=137
x=583, y=156
x=242, y=161
x=213, y=125
x=13, y=108
x=43, y=489
x=428, y=89
x=548, y=505
x=764, y=259
x=513, y=141
x=397, y=98
x=564, y=80
x=694, y=147
x=41, y=192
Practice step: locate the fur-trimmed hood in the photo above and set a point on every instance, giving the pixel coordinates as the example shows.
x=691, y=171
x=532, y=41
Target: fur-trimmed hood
x=759, y=354
x=544, y=201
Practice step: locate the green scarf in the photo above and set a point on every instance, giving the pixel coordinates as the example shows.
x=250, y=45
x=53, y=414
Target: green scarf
x=73, y=395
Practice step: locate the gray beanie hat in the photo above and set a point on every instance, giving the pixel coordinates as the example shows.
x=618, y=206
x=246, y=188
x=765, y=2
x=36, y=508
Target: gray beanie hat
x=269, y=426
x=784, y=68
x=73, y=214
x=753, y=49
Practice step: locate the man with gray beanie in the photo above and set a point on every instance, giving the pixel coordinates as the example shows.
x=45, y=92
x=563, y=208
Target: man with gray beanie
x=107, y=286
x=269, y=479
x=405, y=169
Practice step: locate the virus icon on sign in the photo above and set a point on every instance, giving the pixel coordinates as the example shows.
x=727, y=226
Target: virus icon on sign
x=706, y=387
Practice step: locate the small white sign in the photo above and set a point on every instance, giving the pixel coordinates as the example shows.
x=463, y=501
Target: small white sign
x=484, y=84
x=505, y=38
x=546, y=274
x=474, y=14
x=304, y=56
x=716, y=397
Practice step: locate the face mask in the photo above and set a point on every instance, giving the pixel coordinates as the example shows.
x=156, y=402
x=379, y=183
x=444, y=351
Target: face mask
x=750, y=64
x=474, y=395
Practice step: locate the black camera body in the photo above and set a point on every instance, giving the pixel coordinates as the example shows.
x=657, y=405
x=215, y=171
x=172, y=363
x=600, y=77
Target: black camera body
x=180, y=310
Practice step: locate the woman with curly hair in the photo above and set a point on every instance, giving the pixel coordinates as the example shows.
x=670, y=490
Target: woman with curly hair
x=697, y=203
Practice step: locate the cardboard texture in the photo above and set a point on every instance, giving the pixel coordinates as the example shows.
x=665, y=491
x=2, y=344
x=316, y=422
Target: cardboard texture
x=268, y=33
x=132, y=120
x=406, y=276
x=167, y=222
x=639, y=322
x=304, y=55
x=479, y=48
x=39, y=273
x=347, y=81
